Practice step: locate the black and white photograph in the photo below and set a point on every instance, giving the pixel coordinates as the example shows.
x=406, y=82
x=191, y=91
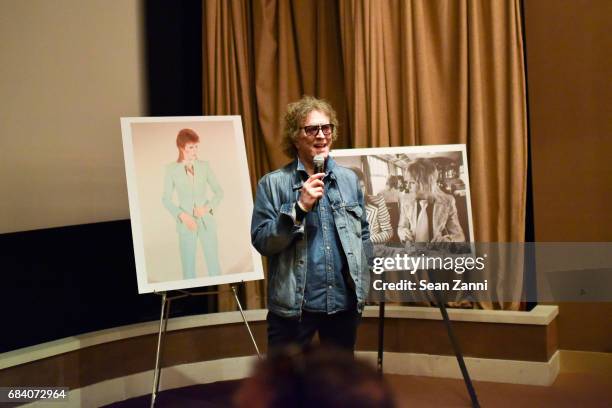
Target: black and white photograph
x=413, y=195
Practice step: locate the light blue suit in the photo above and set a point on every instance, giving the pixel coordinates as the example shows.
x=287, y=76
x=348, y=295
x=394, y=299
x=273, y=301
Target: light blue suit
x=193, y=192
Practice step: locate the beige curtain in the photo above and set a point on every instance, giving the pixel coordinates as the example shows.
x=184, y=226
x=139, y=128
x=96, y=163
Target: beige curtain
x=399, y=73
x=259, y=56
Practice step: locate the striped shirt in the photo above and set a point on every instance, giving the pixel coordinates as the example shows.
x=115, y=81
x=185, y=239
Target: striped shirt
x=379, y=219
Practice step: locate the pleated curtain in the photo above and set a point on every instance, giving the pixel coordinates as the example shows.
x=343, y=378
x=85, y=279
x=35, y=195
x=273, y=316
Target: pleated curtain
x=398, y=72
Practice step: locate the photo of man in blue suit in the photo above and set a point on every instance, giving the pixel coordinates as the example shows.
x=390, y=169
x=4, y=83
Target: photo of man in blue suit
x=192, y=179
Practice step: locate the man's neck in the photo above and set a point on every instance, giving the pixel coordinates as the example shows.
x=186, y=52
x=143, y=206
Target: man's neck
x=308, y=165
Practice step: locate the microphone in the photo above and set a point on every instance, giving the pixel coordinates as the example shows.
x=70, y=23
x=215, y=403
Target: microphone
x=319, y=163
x=319, y=167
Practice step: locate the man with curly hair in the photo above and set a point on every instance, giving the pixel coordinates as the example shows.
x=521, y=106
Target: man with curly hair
x=314, y=231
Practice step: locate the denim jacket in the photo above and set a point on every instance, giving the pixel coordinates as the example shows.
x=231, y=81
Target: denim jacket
x=274, y=233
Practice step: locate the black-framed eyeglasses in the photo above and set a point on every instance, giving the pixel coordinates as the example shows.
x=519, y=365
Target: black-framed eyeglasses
x=313, y=130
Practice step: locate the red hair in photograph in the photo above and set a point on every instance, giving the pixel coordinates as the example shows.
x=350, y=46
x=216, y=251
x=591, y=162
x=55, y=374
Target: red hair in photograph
x=185, y=136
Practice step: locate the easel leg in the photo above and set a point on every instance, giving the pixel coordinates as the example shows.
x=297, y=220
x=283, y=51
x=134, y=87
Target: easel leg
x=245, y=321
x=381, y=336
x=163, y=341
x=458, y=354
x=163, y=325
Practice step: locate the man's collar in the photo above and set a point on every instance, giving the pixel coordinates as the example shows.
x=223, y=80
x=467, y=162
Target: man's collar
x=330, y=165
x=300, y=171
x=300, y=165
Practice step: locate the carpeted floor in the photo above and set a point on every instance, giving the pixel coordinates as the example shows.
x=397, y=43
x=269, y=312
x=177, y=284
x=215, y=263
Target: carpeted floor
x=569, y=390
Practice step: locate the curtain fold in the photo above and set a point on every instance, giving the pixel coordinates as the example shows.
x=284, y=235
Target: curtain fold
x=228, y=73
x=258, y=56
x=399, y=72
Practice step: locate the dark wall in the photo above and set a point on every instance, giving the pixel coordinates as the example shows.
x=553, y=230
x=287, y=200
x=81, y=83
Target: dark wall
x=173, y=36
x=60, y=282
x=70, y=280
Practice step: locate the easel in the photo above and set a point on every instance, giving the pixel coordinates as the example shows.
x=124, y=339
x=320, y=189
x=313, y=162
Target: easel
x=451, y=335
x=163, y=325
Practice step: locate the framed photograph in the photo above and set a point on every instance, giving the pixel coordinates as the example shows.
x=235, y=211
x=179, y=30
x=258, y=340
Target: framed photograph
x=190, y=202
x=418, y=194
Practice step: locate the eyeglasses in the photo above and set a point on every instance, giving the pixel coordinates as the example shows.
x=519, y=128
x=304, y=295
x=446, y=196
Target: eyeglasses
x=313, y=130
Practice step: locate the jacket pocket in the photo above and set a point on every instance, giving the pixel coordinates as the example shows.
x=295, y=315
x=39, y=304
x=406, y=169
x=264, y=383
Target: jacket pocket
x=355, y=212
x=282, y=285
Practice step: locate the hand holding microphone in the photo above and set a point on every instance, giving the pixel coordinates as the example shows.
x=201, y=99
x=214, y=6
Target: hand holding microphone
x=319, y=163
x=312, y=190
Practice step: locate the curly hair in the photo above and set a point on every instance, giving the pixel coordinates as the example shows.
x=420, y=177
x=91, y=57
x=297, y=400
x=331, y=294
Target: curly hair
x=296, y=115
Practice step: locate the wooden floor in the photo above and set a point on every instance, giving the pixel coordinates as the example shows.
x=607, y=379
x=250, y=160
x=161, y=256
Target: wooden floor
x=569, y=390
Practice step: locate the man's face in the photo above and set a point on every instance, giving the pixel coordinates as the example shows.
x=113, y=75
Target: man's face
x=410, y=184
x=422, y=188
x=190, y=151
x=310, y=146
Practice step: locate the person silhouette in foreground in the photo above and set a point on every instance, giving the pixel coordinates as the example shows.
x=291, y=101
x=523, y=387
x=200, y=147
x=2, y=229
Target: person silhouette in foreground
x=313, y=377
